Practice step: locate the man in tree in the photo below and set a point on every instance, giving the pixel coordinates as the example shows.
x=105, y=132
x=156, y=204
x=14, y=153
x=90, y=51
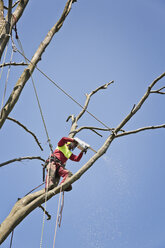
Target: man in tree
x=56, y=163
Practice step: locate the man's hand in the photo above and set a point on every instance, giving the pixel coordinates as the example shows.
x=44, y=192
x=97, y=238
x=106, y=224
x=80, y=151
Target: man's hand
x=85, y=150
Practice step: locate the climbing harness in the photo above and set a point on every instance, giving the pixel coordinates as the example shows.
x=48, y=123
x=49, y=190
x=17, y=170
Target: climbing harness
x=51, y=159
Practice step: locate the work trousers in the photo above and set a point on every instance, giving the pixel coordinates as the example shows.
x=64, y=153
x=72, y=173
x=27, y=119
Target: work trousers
x=55, y=170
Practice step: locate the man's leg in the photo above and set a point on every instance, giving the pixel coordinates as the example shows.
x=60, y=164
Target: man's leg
x=50, y=177
x=65, y=174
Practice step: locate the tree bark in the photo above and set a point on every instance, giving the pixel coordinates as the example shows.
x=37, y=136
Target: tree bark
x=5, y=30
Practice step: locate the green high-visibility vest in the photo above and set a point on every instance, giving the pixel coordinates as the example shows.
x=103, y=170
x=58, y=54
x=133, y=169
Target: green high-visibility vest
x=65, y=150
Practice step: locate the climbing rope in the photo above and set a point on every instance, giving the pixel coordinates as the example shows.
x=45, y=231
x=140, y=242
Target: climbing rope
x=35, y=90
x=7, y=78
x=4, y=59
x=43, y=220
x=57, y=218
x=11, y=240
x=60, y=214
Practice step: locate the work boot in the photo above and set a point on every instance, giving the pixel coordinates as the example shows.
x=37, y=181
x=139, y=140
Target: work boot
x=69, y=188
x=50, y=187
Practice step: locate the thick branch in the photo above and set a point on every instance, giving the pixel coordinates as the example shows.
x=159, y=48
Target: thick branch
x=16, y=16
x=2, y=19
x=9, y=15
x=20, y=159
x=27, y=130
x=140, y=130
x=36, y=58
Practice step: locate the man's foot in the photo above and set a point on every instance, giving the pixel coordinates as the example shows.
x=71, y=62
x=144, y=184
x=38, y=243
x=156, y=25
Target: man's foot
x=50, y=187
x=69, y=188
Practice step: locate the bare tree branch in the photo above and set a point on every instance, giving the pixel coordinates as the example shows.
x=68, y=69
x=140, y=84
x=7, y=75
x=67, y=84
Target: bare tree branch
x=2, y=19
x=4, y=35
x=159, y=91
x=14, y=64
x=20, y=159
x=36, y=58
x=92, y=129
x=27, y=130
x=139, y=105
x=46, y=212
x=10, y=2
x=72, y=117
x=15, y=3
x=88, y=96
x=140, y=130
x=12, y=5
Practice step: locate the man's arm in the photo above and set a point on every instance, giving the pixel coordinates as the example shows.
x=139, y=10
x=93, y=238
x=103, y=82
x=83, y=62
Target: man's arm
x=76, y=158
x=64, y=140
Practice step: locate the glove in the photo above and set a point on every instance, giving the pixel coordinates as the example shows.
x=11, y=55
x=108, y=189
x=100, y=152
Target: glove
x=85, y=150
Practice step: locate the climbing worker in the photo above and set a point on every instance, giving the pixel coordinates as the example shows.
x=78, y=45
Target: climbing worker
x=55, y=164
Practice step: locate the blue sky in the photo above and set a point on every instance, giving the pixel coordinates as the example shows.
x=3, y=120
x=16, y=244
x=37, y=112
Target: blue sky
x=120, y=201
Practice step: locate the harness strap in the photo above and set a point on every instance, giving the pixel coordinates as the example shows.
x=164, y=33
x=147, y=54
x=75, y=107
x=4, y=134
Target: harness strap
x=57, y=162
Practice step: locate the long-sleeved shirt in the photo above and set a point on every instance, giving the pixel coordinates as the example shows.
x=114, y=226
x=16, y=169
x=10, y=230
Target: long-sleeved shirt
x=61, y=156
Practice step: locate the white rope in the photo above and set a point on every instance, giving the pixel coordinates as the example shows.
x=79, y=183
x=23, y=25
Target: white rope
x=43, y=221
x=61, y=209
x=55, y=232
x=4, y=58
x=8, y=73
